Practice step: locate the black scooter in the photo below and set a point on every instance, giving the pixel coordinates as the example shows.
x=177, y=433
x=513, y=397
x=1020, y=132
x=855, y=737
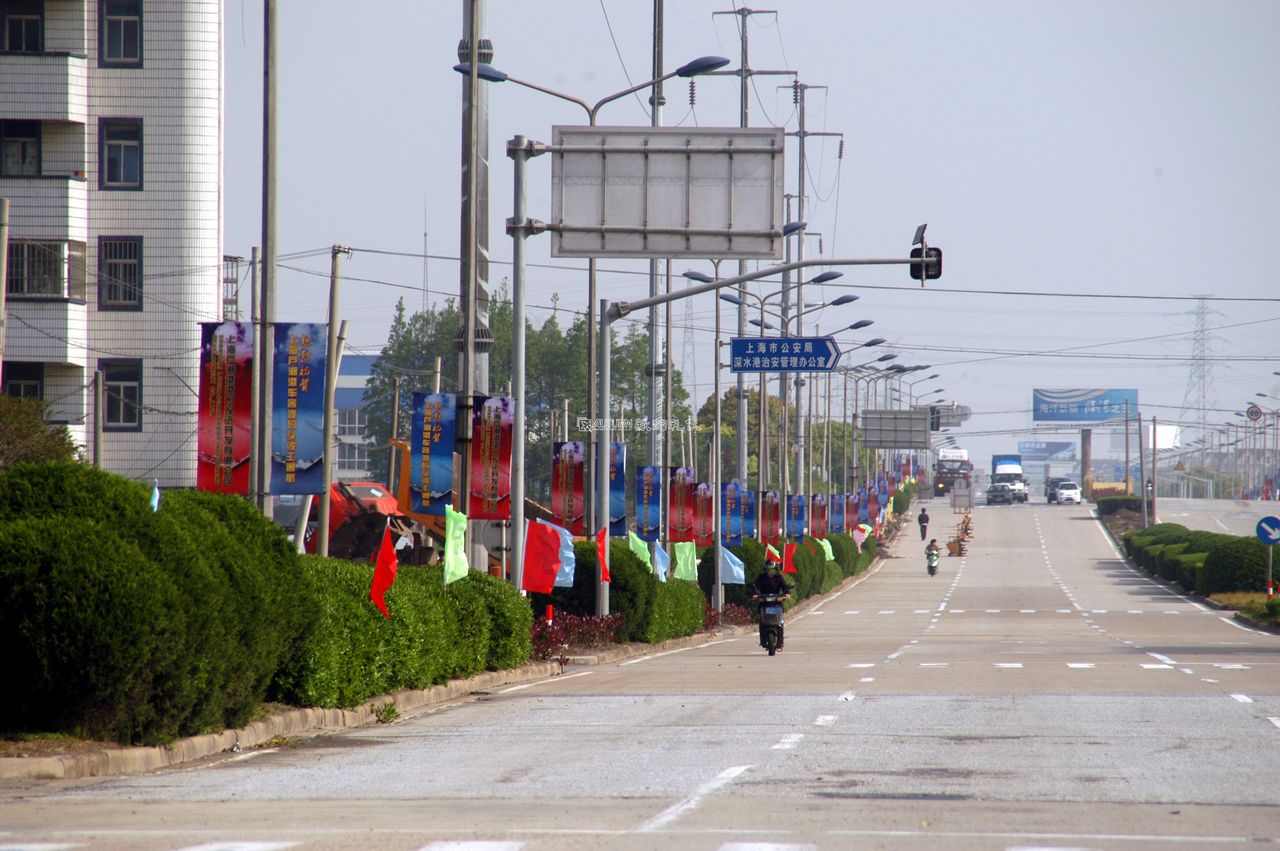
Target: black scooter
x=932, y=558
x=770, y=622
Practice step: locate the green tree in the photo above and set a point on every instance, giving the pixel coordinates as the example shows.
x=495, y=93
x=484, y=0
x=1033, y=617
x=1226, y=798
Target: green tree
x=26, y=434
x=555, y=372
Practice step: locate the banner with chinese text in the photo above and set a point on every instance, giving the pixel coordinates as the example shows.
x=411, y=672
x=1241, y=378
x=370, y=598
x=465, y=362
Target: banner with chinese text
x=491, y=420
x=680, y=498
x=226, y=398
x=431, y=452
x=649, y=503
x=297, y=409
x=568, y=478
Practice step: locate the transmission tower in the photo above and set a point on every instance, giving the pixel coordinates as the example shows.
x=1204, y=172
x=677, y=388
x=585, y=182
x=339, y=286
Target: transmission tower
x=1195, y=400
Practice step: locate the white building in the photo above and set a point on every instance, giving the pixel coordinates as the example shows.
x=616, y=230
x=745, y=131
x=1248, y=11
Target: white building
x=111, y=157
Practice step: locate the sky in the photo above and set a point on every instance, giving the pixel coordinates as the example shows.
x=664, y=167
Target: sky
x=1090, y=169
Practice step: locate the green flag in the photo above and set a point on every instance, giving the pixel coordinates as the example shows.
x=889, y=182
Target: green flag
x=686, y=560
x=455, y=532
x=640, y=548
x=826, y=548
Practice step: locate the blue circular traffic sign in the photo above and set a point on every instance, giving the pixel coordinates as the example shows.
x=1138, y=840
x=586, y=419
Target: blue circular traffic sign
x=1269, y=530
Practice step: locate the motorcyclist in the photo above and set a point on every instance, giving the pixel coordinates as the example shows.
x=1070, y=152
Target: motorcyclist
x=772, y=584
x=932, y=552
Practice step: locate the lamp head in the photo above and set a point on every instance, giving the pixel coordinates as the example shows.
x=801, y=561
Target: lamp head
x=485, y=72
x=874, y=341
x=844, y=299
x=828, y=276
x=731, y=298
x=701, y=65
x=791, y=227
x=862, y=323
x=701, y=277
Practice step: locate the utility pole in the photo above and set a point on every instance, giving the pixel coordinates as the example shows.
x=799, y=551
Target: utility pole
x=267, y=273
x=656, y=102
x=330, y=388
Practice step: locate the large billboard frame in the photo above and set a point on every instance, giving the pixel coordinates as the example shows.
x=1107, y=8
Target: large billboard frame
x=1082, y=405
x=896, y=429
x=660, y=192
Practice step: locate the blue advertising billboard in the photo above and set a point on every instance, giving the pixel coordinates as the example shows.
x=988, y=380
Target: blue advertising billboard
x=1048, y=450
x=297, y=410
x=1081, y=405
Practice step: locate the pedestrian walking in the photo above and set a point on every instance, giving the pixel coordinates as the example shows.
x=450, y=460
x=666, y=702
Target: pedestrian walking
x=923, y=520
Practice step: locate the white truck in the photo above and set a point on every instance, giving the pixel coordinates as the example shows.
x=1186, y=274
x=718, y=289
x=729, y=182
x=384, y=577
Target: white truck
x=1007, y=469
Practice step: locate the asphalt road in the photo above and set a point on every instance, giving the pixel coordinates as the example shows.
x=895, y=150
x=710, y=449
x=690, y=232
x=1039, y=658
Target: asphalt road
x=1229, y=516
x=1037, y=693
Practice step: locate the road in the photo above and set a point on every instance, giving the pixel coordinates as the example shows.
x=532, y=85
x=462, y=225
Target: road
x=1037, y=693
x=1229, y=516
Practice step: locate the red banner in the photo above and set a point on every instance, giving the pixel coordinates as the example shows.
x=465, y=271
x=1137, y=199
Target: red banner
x=704, y=524
x=770, y=518
x=568, y=474
x=491, y=421
x=818, y=515
x=680, y=503
x=226, y=395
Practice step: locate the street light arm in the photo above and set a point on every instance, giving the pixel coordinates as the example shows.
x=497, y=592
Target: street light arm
x=692, y=69
x=555, y=94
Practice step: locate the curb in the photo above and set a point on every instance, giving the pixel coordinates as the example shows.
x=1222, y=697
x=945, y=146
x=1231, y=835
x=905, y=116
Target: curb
x=292, y=722
x=109, y=762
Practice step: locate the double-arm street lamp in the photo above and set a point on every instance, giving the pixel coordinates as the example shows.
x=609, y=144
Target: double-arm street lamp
x=520, y=226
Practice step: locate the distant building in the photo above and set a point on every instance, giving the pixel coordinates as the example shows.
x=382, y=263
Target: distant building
x=352, y=421
x=111, y=157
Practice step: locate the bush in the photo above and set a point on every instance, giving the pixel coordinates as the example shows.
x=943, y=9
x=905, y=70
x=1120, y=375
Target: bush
x=1108, y=505
x=679, y=608
x=1188, y=569
x=1237, y=564
x=1166, y=561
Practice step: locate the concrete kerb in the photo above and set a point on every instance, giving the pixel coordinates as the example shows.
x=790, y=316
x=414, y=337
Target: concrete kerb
x=291, y=722
x=109, y=762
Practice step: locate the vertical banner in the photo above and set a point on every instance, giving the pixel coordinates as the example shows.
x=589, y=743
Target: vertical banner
x=818, y=516
x=680, y=504
x=431, y=452
x=873, y=507
x=864, y=506
x=837, y=513
x=731, y=513
x=649, y=503
x=491, y=421
x=568, y=480
x=704, y=526
x=226, y=391
x=617, y=489
x=297, y=408
x=748, y=513
x=795, y=517
x=770, y=518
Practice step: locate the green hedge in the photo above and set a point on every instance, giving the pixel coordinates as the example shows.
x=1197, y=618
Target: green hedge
x=1203, y=562
x=133, y=625
x=1238, y=564
x=435, y=633
x=1111, y=504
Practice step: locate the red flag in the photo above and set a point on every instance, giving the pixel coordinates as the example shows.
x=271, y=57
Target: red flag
x=541, y=559
x=385, y=572
x=602, y=544
x=789, y=558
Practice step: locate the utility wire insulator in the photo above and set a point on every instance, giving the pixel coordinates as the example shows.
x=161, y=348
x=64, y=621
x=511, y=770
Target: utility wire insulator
x=693, y=91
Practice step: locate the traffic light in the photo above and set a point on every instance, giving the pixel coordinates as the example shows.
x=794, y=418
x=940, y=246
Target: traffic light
x=920, y=271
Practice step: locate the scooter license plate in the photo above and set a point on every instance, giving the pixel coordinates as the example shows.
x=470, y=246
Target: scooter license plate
x=772, y=610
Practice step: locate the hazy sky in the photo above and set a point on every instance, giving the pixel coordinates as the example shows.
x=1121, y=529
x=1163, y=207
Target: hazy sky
x=1058, y=151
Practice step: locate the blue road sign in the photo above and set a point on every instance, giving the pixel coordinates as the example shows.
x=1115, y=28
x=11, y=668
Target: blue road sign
x=1269, y=530
x=783, y=354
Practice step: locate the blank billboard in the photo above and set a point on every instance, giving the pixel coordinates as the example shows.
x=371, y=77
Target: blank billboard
x=667, y=192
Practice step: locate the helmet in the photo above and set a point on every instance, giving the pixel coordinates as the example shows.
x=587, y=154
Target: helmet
x=770, y=565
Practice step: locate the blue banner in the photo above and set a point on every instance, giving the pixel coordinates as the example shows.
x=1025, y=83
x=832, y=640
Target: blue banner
x=1048, y=450
x=297, y=408
x=435, y=418
x=731, y=513
x=864, y=514
x=748, y=513
x=796, y=504
x=837, y=514
x=649, y=503
x=617, y=489
x=1081, y=405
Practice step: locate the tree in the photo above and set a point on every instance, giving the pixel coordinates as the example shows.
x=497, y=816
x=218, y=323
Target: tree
x=26, y=435
x=555, y=373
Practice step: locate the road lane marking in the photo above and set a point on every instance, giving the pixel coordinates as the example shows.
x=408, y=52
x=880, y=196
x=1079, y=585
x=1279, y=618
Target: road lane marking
x=824, y=721
x=260, y=846
x=788, y=742
x=714, y=643
x=1275, y=721
x=1230, y=622
x=1160, y=658
x=1231, y=666
x=640, y=659
x=560, y=678
x=1081, y=665
x=673, y=812
x=887, y=612
x=853, y=613
x=462, y=845
x=766, y=846
x=863, y=665
x=1242, y=698
x=1160, y=667
x=848, y=696
x=934, y=664
x=1008, y=664
x=867, y=680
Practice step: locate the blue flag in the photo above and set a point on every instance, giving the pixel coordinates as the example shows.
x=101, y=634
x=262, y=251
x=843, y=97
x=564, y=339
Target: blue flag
x=661, y=563
x=732, y=571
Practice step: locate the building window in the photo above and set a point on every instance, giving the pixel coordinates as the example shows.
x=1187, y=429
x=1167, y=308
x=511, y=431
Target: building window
x=120, y=160
x=121, y=32
x=19, y=148
x=122, y=394
x=352, y=422
x=120, y=273
x=45, y=270
x=24, y=380
x=353, y=458
x=23, y=26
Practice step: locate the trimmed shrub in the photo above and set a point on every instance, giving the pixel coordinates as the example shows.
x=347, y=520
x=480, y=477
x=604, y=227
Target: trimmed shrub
x=1166, y=561
x=1237, y=564
x=1111, y=504
x=679, y=608
x=1188, y=567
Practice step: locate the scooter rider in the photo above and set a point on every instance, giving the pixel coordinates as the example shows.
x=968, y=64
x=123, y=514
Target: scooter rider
x=771, y=583
x=932, y=552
